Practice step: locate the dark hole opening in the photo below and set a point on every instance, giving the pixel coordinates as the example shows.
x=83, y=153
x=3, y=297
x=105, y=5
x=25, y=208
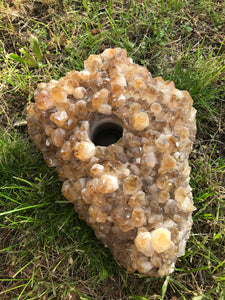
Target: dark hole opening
x=107, y=134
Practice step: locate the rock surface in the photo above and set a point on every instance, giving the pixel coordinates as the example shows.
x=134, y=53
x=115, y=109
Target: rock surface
x=120, y=140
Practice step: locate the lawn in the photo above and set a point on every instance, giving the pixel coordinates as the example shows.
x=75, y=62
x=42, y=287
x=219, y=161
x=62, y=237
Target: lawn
x=46, y=252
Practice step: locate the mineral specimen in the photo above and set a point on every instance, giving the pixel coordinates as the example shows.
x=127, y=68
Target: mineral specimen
x=120, y=140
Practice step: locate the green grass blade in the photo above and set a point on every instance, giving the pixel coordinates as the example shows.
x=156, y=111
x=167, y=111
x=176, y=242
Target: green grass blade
x=17, y=58
x=35, y=46
x=21, y=209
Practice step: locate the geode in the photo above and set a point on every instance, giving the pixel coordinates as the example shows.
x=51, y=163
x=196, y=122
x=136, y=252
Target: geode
x=120, y=141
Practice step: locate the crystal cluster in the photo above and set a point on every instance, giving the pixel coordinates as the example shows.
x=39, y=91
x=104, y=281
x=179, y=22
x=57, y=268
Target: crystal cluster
x=120, y=140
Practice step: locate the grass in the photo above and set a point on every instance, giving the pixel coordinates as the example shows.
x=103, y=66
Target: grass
x=46, y=252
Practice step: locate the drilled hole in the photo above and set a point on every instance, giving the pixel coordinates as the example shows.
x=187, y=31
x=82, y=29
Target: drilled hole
x=106, y=133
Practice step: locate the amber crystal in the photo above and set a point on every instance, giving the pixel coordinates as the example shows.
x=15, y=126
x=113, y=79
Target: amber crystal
x=120, y=140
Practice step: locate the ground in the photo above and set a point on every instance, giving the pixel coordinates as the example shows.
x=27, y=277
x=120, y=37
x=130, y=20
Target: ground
x=46, y=251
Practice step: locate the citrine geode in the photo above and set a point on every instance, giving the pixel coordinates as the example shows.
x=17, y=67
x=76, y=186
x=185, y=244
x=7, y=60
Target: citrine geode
x=120, y=141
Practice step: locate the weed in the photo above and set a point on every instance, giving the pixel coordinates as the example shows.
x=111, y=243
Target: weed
x=29, y=60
